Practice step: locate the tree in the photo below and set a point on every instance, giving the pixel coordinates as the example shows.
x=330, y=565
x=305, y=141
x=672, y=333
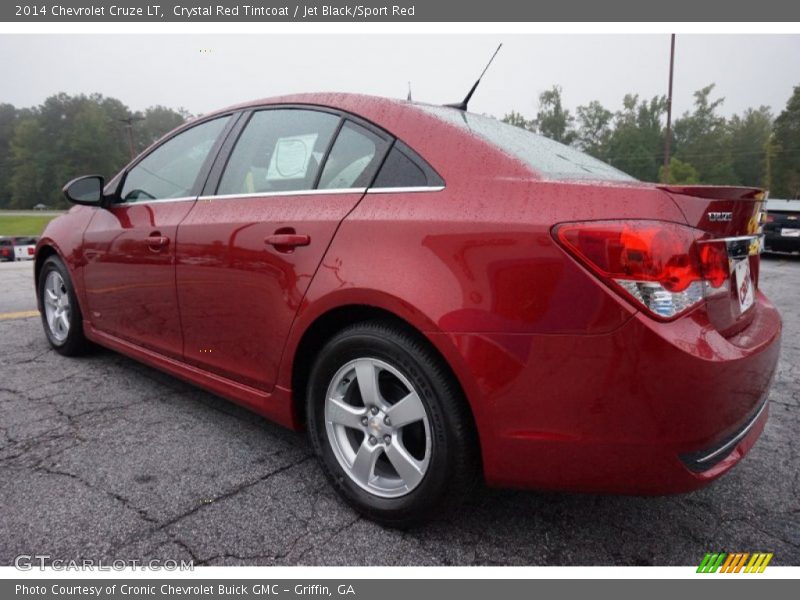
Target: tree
x=786, y=161
x=517, y=120
x=679, y=173
x=553, y=120
x=749, y=140
x=156, y=121
x=594, y=129
x=8, y=120
x=66, y=136
x=637, y=141
x=702, y=138
x=28, y=181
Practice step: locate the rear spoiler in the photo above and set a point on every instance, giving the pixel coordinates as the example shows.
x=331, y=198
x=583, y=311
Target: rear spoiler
x=716, y=192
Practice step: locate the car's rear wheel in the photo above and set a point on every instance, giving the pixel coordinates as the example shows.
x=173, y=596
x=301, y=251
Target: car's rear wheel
x=389, y=425
x=58, y=305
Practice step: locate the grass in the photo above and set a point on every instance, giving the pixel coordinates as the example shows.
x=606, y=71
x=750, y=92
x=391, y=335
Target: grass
x=32, y=224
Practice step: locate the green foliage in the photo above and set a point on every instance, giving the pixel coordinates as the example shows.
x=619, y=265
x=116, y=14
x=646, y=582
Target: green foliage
x=553, y=120
x=636, y=145
x=8, y=121
x=702, y=138
x=517, y=120
x=156, y=121
x=679, y=173
x=748, y=149
x=594, y=129
x=749, y=142
x=785, y=150
x=44, y=147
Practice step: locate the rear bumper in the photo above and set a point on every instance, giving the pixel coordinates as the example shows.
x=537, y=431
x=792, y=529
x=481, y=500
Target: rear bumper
x=626, y=412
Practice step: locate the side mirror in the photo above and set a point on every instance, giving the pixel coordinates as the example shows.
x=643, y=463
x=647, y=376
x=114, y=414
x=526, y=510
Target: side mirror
x=87, y=190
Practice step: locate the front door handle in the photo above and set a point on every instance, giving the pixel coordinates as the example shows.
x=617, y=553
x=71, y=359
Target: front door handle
x=287, y=241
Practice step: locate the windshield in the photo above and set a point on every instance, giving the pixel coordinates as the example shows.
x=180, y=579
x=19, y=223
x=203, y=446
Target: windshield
x=548, y=158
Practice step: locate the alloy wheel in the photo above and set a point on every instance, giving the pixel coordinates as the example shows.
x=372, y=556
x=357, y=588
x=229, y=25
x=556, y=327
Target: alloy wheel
x=378, y=427
x=56, y=306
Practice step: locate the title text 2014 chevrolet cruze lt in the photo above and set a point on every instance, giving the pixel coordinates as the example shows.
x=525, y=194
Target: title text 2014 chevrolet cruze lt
x=438, y=297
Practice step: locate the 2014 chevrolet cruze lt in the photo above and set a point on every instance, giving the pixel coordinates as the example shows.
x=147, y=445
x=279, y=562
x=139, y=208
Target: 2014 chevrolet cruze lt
x=435, y=295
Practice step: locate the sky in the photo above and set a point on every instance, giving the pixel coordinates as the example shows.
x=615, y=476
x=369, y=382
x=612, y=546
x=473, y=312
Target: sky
x=204, y=72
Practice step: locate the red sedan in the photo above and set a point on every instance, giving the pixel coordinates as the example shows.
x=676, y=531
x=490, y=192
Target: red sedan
x=436, y=296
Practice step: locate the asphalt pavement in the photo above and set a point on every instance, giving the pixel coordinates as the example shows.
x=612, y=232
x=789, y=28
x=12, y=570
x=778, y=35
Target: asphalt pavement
x=102, y=457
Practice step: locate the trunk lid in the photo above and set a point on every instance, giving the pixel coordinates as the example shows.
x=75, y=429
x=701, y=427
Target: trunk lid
x=733, y=216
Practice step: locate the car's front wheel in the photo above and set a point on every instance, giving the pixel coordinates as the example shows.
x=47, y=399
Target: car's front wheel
x=58, y=305
x=389, y=425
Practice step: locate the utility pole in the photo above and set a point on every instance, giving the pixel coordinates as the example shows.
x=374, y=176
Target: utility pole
x=668, y=136
x=129, y=121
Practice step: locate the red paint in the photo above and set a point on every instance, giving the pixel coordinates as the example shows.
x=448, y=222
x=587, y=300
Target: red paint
x=571, y=386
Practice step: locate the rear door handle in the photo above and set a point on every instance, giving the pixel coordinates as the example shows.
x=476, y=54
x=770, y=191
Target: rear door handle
x=157, y=242
x=286, y=242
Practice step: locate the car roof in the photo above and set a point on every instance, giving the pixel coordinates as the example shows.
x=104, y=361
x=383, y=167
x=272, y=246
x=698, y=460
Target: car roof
x=448, y=148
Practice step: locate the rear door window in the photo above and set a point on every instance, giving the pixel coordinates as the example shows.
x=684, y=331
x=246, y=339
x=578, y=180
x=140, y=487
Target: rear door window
x=280, y=150
x=354, y=158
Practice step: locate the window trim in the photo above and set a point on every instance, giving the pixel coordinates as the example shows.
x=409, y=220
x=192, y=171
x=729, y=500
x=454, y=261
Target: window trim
x=406, y=190
x=331, y=191
x=225, y=151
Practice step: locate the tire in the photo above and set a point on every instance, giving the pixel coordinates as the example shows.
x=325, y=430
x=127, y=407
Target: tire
x=56, y=298
x=423, y=458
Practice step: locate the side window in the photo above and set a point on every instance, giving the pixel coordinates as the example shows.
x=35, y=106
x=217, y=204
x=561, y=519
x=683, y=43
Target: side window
x=170, y=170
x=279, y=151
x=405, y=168
x=354, y=158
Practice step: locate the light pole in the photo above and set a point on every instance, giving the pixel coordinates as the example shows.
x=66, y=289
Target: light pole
x=129, y=121
x=668, y=136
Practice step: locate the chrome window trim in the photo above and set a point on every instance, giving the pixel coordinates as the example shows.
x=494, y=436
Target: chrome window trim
x=156, y=201
x=288, y=193
x=361, y=190
x=404, y=190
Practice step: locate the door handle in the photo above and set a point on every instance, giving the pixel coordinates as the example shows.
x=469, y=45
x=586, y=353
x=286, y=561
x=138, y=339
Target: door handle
x=157, y=241
x=287, y=242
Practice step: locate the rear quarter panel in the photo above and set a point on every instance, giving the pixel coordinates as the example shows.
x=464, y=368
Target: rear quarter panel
x=475, y=258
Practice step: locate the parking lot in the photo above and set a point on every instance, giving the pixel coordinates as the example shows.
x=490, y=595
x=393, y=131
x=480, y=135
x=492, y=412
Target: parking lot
x=102, y=457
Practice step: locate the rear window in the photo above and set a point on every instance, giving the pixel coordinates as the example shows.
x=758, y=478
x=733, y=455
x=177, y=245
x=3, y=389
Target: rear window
x=24, y=241
x=550, y=159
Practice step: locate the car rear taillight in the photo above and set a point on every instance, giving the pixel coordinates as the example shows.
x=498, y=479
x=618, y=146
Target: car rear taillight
x=30, y=251
x=663, y=267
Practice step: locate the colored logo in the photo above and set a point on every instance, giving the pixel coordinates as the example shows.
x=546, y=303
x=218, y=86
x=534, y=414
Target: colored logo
x=737, y=562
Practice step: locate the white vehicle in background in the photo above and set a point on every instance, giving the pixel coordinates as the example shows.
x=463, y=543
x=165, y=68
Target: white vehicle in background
x=24, y=248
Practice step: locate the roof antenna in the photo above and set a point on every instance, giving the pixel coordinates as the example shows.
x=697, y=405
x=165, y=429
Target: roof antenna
x=463, y=104
x=409, y=93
